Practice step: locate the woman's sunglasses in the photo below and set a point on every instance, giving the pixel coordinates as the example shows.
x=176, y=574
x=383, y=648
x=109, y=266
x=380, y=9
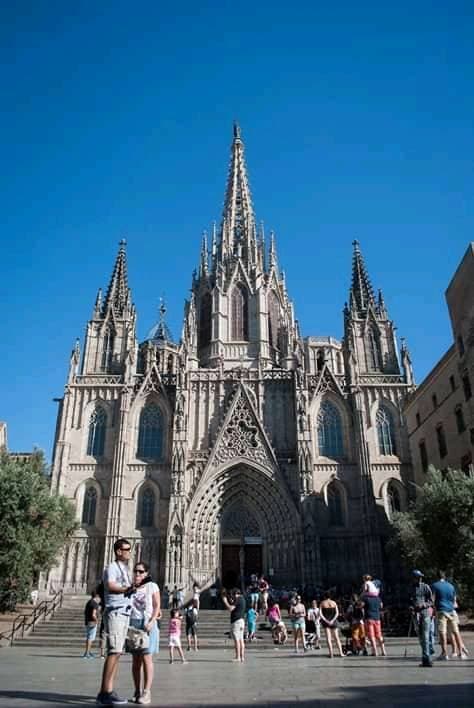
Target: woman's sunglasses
x=139, y=570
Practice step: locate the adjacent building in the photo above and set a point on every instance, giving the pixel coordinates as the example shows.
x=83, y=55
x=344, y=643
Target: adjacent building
x=440, y=413
x=244, y=447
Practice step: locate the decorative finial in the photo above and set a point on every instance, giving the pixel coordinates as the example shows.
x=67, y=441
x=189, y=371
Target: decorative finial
x=162, y=308
x=356, y=244
x=123, y=242
x=236, y=130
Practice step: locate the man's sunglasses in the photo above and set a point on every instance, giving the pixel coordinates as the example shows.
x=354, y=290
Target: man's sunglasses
x=126, y=548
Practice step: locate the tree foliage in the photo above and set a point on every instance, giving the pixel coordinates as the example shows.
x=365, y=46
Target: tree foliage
x=34, y=526
x=438, y=531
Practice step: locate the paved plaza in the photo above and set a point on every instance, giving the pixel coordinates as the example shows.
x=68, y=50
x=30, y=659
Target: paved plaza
x=38, y=678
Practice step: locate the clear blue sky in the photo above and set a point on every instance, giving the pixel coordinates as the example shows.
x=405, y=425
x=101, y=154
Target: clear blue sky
x=116, y=121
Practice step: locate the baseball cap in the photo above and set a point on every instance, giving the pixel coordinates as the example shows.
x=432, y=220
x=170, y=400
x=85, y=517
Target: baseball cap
x=417, y=573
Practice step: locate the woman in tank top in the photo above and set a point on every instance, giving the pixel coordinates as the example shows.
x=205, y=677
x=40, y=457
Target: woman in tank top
x=329, y=613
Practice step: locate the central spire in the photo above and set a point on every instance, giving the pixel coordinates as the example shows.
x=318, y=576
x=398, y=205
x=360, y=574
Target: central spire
x=362, y=292
x=238, y=219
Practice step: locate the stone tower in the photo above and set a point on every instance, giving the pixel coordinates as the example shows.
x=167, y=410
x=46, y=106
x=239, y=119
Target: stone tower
x=245, y=447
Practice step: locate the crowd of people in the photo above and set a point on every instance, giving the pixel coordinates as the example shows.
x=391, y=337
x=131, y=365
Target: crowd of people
x=128, y=608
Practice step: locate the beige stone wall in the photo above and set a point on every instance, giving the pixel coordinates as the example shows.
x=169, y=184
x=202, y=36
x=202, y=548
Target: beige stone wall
x=442, y=393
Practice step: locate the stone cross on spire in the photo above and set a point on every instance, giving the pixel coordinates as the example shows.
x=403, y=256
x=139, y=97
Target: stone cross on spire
x=238, y=220
x=361, y=288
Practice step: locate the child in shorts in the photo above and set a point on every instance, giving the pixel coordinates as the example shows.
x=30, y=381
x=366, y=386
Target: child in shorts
x=251, y=623
x=174, y=636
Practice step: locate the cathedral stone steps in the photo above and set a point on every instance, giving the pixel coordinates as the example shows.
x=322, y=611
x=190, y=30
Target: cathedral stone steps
x=65, y=631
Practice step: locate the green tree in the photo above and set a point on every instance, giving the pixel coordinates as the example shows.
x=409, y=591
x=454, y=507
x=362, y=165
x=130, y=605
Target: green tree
x=34, y=526
x=438, y=531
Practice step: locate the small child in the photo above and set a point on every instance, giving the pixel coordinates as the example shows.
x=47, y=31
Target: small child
x=174, y=635
x=370, y=587
x=356, y=618
x=251, y=623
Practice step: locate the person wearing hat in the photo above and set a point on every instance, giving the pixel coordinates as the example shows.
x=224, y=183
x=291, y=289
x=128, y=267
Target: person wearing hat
x=421, y=604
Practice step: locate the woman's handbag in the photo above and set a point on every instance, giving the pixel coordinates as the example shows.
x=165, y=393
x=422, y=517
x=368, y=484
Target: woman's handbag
x=137, y=640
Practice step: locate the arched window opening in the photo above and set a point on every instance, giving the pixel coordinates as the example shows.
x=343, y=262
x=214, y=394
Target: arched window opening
x=96, y=438
x=169, y=364
x=90, y=506
x=385, y=432
x=329, y=431
x=273, y=319
x=205, y=320
x=150, y=433
x=374, y=351
x=394, y=499
x=108, y=350
x=320, y=360
x=239, y=306
x=335, y=505
x=146, y=509
x=157, y=358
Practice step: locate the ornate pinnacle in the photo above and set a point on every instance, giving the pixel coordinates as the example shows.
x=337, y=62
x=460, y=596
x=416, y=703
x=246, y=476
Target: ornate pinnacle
x=361, y=288
x=118, y=294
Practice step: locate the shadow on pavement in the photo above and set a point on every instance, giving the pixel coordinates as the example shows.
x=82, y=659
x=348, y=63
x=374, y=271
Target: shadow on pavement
x=406, y=696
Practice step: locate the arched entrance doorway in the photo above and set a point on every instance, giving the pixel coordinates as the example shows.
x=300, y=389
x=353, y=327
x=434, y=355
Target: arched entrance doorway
x=241, y=545
x=243, y=517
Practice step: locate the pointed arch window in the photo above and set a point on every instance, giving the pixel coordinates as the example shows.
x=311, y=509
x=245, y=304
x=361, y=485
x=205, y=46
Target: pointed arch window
x=150, y=433
x=205, y=320
x=108, y=350
x=385, y=432
x=96, y=438
x=90, y=507
x=146, y=509
x=329, y=427
x=335, y=505
x=239, y=307
x=374, y=351
x=273, y=319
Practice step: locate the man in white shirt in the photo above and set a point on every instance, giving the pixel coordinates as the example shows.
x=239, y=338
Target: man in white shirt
x=117, y=590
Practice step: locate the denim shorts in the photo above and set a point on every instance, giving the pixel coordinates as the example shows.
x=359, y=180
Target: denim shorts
x=91, y=631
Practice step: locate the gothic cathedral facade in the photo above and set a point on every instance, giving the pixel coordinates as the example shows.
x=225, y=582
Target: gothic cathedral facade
x=245, y=447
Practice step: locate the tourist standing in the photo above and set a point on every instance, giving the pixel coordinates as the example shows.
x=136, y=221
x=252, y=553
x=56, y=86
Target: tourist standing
x=196, y=596
x=213, y=596
x=314, y=623
x=421, y=605
x=117, y=591
x=146, y=610
x=373, y=624
x=445, y=603
x=166, y=598
x=191, y=616
x=329, y=614
x=174, y=636
x=175, y=598
x=91, y=620
x=356, y=616
x=298, y=621
x=251, y=623
x=254, y=592
x=235, y=603
x=263, y=587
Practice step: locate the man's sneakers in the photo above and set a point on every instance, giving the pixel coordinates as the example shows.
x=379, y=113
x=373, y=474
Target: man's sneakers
x=88, y=655
x=110, y=699
x=443, y=657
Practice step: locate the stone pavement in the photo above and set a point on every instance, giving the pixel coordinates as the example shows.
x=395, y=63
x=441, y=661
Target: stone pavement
x=37, y=678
